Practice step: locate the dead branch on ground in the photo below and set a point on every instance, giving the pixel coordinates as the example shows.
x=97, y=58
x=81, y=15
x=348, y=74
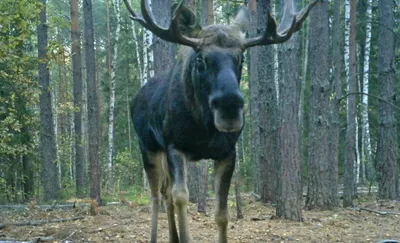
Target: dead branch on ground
x=375, y=211
x=39, y=222
x=33, y=240
x=54, y=206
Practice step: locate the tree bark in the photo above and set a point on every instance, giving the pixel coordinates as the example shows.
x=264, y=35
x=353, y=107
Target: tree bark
x=117, y=9
x=239, y=211
x=289, y=198
x=48, y=151
x=210, y=12
x=254, y=101
x=203, y=187
x=366, y=150
x=350, y=144
x=27, y=171
x=267, y=112
x=334, y=131
x=203, y=181
x=92, y=103
x=387, y=155
x=193, y=168
x=62, y=139
x=163, y=50
x=318, y=195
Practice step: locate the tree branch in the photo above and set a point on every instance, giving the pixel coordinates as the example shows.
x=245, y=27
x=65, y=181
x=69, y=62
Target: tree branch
x=370, y=95
x=384, y=26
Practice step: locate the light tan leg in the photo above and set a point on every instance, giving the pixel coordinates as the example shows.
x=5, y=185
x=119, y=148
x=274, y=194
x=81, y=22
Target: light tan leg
x=180, y=193
x=167, y=194
x=223, y=175
x=152, y=165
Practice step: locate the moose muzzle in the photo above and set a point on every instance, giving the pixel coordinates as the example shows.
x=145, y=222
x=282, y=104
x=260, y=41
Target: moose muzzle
x=227, y=104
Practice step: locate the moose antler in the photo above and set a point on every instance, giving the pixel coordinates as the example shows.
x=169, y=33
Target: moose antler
x=172, y=34
x=291, y=22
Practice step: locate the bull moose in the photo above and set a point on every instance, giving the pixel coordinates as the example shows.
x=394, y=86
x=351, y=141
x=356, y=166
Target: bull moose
x=196, y=110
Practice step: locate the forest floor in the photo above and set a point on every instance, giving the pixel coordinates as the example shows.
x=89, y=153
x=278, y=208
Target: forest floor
x=123, y=223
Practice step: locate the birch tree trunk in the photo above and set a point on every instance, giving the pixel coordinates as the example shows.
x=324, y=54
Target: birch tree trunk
x=148, y=58
x=54, y=97
x=148, y=72
x=350, y=62
x=366, y=151
x=276, y=61
x=138, y=59
x=142, y=76
x=117, y=7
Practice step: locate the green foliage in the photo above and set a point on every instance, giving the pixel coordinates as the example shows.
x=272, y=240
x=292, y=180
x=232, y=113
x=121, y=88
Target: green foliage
x=127, y=171
x=139, y=196
x=18, y=90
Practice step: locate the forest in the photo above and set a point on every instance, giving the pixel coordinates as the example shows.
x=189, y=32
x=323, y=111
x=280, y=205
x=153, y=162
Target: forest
x=319, y=145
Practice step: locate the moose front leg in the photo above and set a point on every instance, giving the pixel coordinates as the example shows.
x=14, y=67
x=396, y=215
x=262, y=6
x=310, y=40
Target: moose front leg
x=180, y=193
x=223, y=175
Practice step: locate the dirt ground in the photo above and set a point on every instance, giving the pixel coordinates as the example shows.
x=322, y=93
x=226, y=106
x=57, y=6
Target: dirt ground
x=122, y=223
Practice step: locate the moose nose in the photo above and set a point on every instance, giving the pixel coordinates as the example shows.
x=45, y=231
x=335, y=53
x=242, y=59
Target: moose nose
x=227, y=101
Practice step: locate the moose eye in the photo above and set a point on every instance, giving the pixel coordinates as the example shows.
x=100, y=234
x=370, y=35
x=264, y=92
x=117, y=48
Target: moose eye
x=201, y=66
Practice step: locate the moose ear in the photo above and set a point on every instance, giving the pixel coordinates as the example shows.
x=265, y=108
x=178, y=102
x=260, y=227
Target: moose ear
x=189, y=25
x=242, y=19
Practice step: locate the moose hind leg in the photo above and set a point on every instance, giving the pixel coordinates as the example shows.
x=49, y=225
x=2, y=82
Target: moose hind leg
x=167, y=195
x=223, y=175
x=152, y=166
x=179, y=192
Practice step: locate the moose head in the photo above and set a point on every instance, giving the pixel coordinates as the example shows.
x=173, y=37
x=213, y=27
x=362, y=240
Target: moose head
x=218, y=53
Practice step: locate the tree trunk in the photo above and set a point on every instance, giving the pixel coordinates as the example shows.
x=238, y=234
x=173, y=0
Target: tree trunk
x=63, y=121
x=193, y=181
x=267, y=112
x=203, y=187
x=366, y=154
x=254, y=101
x=27, y=171
x=193, y=168
x=210, y=12
x=93, y=108
x=138, y=59
x=289, y=197
x=117, y=8
x=276, y=61
x=350, y=145
x=386, y=158
x=239, y=212
x=163, y=50
x=203, y=180
x=336, y=88
x=48, y=151
x=318, y=195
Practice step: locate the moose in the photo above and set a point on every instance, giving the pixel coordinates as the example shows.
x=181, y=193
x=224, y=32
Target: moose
x=195, y=111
